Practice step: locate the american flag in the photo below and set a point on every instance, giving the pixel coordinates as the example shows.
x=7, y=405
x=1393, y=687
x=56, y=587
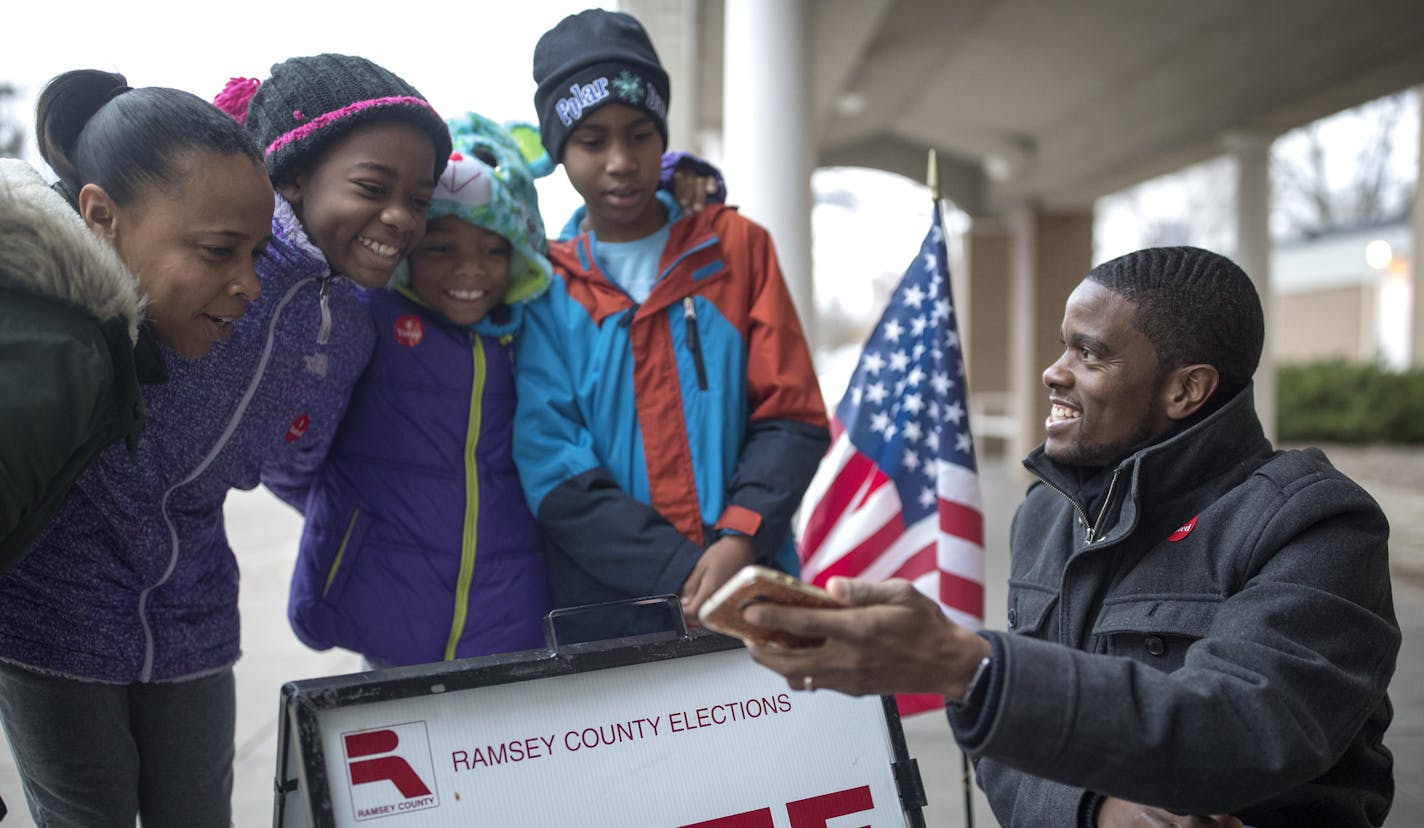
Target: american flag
x=897, y=494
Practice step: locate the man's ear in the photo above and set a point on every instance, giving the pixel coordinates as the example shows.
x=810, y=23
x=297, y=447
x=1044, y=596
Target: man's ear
x=99, y=211
x=1188, y=388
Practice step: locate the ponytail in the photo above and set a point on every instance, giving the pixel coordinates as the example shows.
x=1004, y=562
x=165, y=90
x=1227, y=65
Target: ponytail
x=65, y=106
x=93, y=128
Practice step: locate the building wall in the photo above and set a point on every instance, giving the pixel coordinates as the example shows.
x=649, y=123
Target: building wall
x=1331, y=323
x=988, y=346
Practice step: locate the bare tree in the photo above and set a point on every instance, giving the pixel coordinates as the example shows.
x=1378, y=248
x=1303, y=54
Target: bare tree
x=1309, y=200
x=1352, y=169
x=1185, y=207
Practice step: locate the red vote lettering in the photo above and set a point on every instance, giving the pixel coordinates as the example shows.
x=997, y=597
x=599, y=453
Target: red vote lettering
x=812, y=812
x=749, y=819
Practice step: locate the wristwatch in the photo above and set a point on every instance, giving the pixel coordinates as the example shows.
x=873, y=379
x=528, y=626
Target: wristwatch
x=974, y=681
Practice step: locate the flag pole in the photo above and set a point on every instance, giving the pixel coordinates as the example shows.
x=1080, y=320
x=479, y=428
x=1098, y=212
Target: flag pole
x=932, y=179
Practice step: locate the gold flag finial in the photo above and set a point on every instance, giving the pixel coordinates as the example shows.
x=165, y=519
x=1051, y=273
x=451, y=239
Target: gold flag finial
x=933, y=177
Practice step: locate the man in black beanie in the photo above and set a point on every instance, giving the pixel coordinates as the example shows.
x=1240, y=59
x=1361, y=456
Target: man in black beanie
x=1198, y=624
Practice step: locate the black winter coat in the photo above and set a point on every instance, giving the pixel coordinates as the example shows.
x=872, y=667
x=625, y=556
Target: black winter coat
x=69, y=384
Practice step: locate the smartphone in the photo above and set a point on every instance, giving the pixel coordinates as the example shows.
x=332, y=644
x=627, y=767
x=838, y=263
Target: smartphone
x=752, y=584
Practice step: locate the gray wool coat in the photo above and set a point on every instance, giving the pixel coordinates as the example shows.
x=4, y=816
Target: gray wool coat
x=1223, y=645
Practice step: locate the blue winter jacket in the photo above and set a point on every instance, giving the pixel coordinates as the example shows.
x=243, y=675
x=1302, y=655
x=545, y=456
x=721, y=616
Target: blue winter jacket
x=134, y=580
x=646, y=430
x=418, y=545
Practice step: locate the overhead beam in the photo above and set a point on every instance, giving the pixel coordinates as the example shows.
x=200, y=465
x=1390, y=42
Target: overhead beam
x=908, y=50
x=841, y=32
x=961, y=180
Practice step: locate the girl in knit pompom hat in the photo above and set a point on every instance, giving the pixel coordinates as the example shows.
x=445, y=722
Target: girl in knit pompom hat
x=318, y=120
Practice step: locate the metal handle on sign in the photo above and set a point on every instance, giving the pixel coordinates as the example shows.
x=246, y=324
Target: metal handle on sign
x=674, y=604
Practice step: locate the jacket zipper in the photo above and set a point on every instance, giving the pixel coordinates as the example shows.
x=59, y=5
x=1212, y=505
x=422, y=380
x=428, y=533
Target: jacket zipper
x=472, y=505
x=694, y=340
x=234, y=420
x=1091, y=535
x=340, y=553
x=1092, y=529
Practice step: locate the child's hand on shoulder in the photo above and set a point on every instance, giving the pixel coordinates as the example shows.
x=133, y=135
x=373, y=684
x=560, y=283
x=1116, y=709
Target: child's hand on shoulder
x=719, y=562
x=692, y=189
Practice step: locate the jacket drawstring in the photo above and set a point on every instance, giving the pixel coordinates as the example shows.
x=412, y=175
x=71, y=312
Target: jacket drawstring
x=325, y=333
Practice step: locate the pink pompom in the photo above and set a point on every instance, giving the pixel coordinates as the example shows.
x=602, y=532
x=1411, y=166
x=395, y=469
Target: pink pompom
x=234, y=97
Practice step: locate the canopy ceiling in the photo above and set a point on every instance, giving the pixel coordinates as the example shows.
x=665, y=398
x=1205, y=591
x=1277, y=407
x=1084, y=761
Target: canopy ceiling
x=1062, y=102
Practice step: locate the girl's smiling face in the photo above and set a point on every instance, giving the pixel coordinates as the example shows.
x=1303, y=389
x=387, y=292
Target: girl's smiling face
x=363, y=202
x=460, y=270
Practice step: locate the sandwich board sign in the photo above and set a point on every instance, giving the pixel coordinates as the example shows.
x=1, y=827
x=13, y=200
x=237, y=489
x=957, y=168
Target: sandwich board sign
x=682, y=732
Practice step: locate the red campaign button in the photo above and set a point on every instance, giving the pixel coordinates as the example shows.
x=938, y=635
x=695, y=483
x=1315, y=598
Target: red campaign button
x=1183, y=530
x=298, y=428
x=409, y=330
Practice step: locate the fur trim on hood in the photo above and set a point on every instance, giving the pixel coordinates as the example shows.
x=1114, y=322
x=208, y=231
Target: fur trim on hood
x=46, y=248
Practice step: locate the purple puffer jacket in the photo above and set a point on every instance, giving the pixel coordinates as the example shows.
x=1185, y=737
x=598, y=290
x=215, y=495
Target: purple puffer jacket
x=419, y=546
x=135, y=581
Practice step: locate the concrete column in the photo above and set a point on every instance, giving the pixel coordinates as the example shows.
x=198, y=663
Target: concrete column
x=767, y=147
x=1253, y=253
x=672, y=25
x=1416, y=253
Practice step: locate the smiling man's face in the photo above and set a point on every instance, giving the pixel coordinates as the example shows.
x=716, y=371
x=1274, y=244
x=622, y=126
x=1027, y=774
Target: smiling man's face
x=1106, y=391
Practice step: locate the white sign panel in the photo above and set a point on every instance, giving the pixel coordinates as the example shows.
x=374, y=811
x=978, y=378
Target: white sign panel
x=712, y=741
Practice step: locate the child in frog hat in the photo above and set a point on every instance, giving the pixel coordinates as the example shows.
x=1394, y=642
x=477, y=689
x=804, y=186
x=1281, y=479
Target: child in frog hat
x=418, y=545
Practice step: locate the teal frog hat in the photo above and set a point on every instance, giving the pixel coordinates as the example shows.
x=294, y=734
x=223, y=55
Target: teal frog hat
x=489, y=183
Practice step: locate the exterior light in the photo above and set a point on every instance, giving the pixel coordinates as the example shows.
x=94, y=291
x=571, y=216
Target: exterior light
x=1378, y=254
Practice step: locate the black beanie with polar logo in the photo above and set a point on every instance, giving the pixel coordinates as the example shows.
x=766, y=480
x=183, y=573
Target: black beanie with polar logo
x=590, y=59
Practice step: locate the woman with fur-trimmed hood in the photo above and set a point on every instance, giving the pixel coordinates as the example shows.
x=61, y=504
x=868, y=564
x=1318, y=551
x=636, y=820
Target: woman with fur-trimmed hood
x=144, y=252
x=69, y=323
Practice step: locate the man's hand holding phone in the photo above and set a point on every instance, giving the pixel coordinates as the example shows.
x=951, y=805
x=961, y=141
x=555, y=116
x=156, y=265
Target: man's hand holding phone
x=753, y=585
x=881, y=638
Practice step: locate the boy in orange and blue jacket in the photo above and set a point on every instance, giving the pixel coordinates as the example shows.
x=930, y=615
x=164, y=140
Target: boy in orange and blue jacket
x=669, y=417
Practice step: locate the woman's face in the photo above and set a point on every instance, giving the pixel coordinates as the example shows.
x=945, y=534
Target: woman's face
x=363, y=203
x=193, y=244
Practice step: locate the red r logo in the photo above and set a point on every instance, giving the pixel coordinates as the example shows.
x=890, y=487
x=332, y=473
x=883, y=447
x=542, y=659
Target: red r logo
x=409, y=330
x=393, y=769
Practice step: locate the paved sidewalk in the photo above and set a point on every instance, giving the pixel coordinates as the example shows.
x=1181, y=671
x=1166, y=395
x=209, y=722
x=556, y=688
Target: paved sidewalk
x=264, y=532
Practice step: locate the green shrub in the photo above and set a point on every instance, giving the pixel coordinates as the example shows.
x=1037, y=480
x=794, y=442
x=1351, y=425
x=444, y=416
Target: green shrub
x=1341, y=402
